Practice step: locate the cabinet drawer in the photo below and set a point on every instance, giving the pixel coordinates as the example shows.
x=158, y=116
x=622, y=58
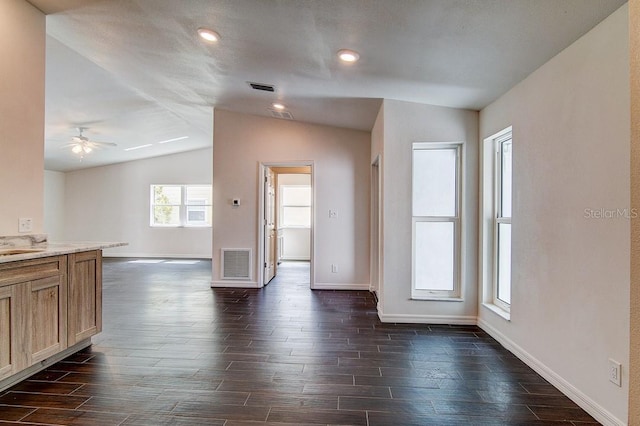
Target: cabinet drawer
x=29, y=270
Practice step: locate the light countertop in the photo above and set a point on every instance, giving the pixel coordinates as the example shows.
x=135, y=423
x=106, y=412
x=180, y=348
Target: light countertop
x=56, y=249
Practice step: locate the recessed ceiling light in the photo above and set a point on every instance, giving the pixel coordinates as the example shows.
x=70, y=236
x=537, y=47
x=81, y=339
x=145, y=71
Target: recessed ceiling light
x=349, y=56
x=208, y=35
x=277, y=105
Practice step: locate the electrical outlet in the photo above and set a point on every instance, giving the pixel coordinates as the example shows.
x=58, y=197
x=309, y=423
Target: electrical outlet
x=334, y=268
x=615, y=372
x=333, y=214
x=25, y=224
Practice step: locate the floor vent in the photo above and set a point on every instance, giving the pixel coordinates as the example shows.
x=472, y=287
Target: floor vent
x=236, y=264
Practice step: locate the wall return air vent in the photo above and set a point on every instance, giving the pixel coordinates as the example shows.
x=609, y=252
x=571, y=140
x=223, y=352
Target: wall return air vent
x=236, y=264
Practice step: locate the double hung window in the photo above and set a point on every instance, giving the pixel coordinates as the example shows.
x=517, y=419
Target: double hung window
x=180, y=205
x=436, y=188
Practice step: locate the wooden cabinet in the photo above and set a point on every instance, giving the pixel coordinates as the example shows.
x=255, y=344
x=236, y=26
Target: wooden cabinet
x=12, y=359
x=49, y=309
x=85, y=295
x=33, y=312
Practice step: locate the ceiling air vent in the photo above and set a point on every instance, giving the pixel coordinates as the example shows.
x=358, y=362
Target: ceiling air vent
x=263, y=87
x=281, y=114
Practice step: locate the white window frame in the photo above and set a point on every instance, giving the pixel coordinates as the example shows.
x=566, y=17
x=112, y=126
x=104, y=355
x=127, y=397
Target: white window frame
x=457, y=220
x=283, y=205
x=498, y=218
x=490, y=199
x=184, y=221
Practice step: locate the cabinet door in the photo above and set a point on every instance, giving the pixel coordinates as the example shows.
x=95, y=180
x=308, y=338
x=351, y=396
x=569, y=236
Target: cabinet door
x=85, y=295
x=13, y=329
x=48, y=306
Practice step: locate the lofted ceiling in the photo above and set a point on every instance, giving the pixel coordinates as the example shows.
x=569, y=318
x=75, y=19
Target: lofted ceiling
x=135, y=72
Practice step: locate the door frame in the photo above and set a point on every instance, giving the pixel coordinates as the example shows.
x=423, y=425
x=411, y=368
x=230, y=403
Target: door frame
x=376, y=259
x=262, y=170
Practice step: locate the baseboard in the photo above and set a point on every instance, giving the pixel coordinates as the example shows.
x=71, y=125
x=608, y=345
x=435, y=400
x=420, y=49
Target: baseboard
x=426, y=319
x=586, y=403
x=235, y=284
x=157, y=256
x=340, y=286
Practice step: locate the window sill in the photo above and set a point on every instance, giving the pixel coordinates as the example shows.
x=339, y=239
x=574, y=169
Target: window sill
x=498, y=311
x=438, y=299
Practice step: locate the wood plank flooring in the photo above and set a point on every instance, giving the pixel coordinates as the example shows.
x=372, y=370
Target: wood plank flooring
x=176, y=352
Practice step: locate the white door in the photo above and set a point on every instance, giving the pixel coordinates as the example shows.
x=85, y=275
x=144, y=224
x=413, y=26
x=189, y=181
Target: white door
x=269, y=226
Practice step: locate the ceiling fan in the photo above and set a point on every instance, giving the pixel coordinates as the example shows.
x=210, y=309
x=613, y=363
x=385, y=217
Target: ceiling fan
x=81, y=145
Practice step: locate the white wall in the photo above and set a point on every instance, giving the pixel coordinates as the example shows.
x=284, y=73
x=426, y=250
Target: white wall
x=111, y=203
x=405, y=123
x=341, y=182
x=570, y=284
x=22, y=49
x=54, y=198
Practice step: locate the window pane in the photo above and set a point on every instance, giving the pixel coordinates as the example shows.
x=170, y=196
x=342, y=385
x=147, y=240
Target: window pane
x=166, y=215
x=296, y=195
x=434, y=256
x=296, y=216
x=504, y=262
x=505, y=178
x=434, y=182
x=167, y=194
x=200, y=195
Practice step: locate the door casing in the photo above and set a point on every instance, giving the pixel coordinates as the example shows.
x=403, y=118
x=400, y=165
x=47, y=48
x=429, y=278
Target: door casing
x=262, y=173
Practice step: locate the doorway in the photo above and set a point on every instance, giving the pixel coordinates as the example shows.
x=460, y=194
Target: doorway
x=286, y=223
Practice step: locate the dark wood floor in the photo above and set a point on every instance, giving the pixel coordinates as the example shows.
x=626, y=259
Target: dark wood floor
x=176, y=352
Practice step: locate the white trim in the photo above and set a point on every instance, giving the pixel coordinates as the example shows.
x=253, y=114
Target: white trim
x=341, y=286
x=438, y=299
x=295, y=259
x=235, y=284
x=497, y=309
x=573, y=393
x=427, y=319
x=262, y=169
x=458, y=221
x=487, y=228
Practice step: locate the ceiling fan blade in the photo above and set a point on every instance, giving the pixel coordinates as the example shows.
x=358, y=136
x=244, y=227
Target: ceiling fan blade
x=103, y=143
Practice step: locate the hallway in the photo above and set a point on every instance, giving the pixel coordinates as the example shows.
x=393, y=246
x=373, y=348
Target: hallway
x=176, y=352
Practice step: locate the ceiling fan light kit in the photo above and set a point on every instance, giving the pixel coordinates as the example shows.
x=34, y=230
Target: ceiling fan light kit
x=81, y=145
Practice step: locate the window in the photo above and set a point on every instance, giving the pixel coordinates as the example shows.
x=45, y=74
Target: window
x=295, y=206
x=436, y=189
x=180, y=205
x=502, y=227
x=495, y=241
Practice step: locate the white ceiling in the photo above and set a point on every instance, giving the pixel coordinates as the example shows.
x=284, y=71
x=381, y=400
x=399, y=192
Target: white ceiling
x=134, y=72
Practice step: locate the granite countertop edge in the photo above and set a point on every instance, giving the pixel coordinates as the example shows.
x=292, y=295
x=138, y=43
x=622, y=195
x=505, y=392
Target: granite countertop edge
x=60, y=248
